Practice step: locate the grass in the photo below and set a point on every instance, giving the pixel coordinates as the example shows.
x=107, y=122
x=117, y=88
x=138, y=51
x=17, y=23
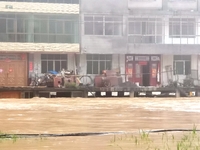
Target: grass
x=4, y=136
x=14, y=138
x=157, y=141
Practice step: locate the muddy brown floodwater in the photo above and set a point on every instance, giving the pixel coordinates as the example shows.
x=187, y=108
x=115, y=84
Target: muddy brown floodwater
x=64, y=115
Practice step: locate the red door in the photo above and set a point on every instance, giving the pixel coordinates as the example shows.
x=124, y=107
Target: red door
x=129, y=71
x=145, y=71
x=155, y=76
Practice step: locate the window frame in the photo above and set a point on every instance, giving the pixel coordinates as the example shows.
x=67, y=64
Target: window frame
x=183, y=60
x=34, y=25
x=54, y=61
x=107, y=58
x=144, y=36
x=116, y=20
x=180, y=24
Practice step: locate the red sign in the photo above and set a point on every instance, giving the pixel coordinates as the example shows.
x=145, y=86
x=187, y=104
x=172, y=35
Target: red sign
x=142, y=62
x=10, y=70
x=31, y=66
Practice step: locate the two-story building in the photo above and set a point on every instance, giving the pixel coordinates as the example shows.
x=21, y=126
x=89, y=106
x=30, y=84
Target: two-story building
x=37, y=36
x=148, y=40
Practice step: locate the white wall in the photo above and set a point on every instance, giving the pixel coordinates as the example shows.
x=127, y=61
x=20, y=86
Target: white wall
x=153, y=4
x=165, y=61
x=83, y=64
x=198, y=65
x=118, y=62
x=71, y=62
x=37, y=63
x=182, y=5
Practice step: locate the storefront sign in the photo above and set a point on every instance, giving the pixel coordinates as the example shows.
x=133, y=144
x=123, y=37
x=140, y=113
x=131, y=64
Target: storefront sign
x=142, y=62
x=155, y=58
x=129, y=58
x=141, y=58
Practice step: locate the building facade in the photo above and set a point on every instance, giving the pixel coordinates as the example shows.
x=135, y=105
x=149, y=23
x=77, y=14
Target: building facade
x=150, y=41
x=37, y=36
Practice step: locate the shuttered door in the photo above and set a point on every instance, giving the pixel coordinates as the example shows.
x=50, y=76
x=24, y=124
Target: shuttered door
x=13, y=72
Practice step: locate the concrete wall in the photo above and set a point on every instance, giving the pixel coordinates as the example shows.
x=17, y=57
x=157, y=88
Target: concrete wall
x=139, y=4
x=105, y=7
x=182, y=5
x=168, y=60
x=165, y=49
x=118, y=62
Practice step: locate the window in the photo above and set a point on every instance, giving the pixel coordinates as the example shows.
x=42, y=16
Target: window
x=182, y=27
x=55, y=62
x=182, y=64
x=103, y=25
x=97, y=63
x=145, y=30
x=2, y=25
x=39, y=28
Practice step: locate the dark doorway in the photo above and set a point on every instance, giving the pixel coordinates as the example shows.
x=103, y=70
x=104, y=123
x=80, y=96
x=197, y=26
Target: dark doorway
x=146, y=75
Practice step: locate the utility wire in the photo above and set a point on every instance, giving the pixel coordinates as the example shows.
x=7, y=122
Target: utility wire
x=91, y=133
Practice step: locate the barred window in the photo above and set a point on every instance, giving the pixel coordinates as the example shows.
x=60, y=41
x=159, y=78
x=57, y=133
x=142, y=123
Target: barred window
x=103, y=25
x=53, y=62
x=96, y=63
x=182, y=64
x=182, y=27
x=145, y=30
x=41, y=28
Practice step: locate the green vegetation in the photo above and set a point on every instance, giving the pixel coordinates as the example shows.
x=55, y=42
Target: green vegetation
x=4, y=136
x=70, y=85
x=157, y=141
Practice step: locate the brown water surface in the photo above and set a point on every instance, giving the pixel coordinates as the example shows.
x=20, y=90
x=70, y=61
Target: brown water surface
x=66, y=115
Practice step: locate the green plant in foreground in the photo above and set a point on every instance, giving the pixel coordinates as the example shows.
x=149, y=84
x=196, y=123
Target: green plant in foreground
x=4, y=136
x=164, y=141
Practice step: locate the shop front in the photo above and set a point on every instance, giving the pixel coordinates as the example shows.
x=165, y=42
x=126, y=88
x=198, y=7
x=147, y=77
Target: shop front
x=143, y=69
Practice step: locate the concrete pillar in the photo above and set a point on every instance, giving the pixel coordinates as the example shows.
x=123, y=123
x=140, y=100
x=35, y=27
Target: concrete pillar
x=85, y=94
x=36, y=93
x=132, y=94
x=177, y=93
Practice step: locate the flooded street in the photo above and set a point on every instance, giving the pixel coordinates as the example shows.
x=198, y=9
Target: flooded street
x=60, y=116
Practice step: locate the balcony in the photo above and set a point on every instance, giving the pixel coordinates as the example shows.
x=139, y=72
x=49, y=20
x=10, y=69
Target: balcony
x=144, y=4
